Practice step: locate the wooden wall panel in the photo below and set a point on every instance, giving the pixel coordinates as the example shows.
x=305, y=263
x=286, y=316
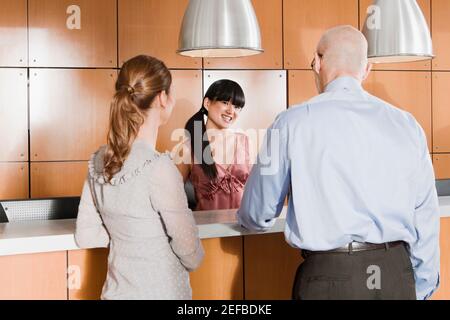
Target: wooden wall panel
x=57, y=179
x=304, y=23
x=220, y=277
x=302, y=86
x=87, y=273
x=441, y=164
x=269, y=14
x=14, y=115
x=270, y=267
x=443, y=293
x=441, y=30
x=187, y=86
x=441, y=112
x=14, y=181
x=265, y=95
x=408, y=90
x=53, y=44
x=34, y=277
x=69, y=112
x=152, y=27
x=13, y=33
x=425, y=5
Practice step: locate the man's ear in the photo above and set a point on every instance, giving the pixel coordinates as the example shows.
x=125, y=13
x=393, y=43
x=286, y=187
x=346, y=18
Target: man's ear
x=367, y=71
x=317, y=64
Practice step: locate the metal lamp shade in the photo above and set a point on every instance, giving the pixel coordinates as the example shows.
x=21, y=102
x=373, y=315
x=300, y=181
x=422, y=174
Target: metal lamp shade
x=397, y=31
x=220, y=29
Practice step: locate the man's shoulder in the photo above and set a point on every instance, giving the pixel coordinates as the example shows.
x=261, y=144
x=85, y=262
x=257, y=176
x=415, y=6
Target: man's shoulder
x=321, y=104
x=297, y=111
x=324, y=98
x=395, y=111
x=294, y=113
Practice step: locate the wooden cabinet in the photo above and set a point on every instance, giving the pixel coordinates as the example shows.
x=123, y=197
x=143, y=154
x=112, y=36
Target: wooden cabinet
x=425, y=5
x=441, y=164
x=270, y=267
x=187, y=86
x=13, y=115
x=87, y=273
x=265, y=95
x=408, y=90
x=441, y=112
x=69, y=112
x=302, y=86
x=269, y=14
x=57, y=179
x=152, y=27
x=13, y=33
x=443, y=293
x=220, y=277
x=73, y=33
x=34, y=277
x=441, y=30
x=14, y=178
x=304, y=23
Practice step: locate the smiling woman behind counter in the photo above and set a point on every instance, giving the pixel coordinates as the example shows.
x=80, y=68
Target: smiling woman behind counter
x=220, y=164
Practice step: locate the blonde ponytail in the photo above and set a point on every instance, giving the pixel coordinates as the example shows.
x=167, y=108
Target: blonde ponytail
x=140, y=80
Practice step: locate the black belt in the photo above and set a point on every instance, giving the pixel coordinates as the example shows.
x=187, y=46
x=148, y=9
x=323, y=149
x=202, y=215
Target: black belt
x=356, y=247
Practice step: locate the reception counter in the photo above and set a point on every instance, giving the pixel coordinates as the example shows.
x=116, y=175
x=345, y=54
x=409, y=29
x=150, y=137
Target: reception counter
x=40, y=260
x=57, y=235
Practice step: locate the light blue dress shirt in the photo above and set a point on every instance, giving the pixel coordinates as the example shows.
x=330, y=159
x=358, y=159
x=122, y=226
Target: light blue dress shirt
x=358, y=169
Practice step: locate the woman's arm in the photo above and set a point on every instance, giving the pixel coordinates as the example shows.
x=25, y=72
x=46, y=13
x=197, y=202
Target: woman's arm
x=169, y=200
x=90, y=231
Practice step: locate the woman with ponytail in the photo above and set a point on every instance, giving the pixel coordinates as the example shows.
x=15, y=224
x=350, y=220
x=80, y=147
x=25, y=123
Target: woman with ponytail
x=133, y=199
x=219, y=163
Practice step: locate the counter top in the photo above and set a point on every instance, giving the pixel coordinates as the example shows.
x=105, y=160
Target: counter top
x=58, y=235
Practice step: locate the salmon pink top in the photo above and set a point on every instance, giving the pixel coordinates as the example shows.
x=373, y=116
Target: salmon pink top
x=226, y=190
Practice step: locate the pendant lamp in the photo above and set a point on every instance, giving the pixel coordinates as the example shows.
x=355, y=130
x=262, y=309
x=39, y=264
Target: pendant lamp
x=220, y=29
x=397, y=31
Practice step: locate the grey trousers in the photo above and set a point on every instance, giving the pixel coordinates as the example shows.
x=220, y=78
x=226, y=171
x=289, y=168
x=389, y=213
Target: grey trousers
x=385, y=274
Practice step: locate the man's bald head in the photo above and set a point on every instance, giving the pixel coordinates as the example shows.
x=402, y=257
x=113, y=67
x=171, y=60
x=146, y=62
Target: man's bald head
x=343, y=52
x=345, y=49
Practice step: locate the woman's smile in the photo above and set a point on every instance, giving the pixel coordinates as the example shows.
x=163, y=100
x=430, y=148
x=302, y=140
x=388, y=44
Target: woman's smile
x=228, y=119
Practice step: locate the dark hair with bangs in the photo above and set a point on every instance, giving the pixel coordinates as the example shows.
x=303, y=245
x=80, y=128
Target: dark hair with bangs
x=221, y=90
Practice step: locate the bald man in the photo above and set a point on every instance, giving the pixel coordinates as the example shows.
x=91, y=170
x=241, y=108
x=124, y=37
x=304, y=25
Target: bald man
x=363, y=206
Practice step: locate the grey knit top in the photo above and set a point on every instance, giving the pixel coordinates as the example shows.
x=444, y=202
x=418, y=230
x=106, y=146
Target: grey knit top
x=143, y=216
